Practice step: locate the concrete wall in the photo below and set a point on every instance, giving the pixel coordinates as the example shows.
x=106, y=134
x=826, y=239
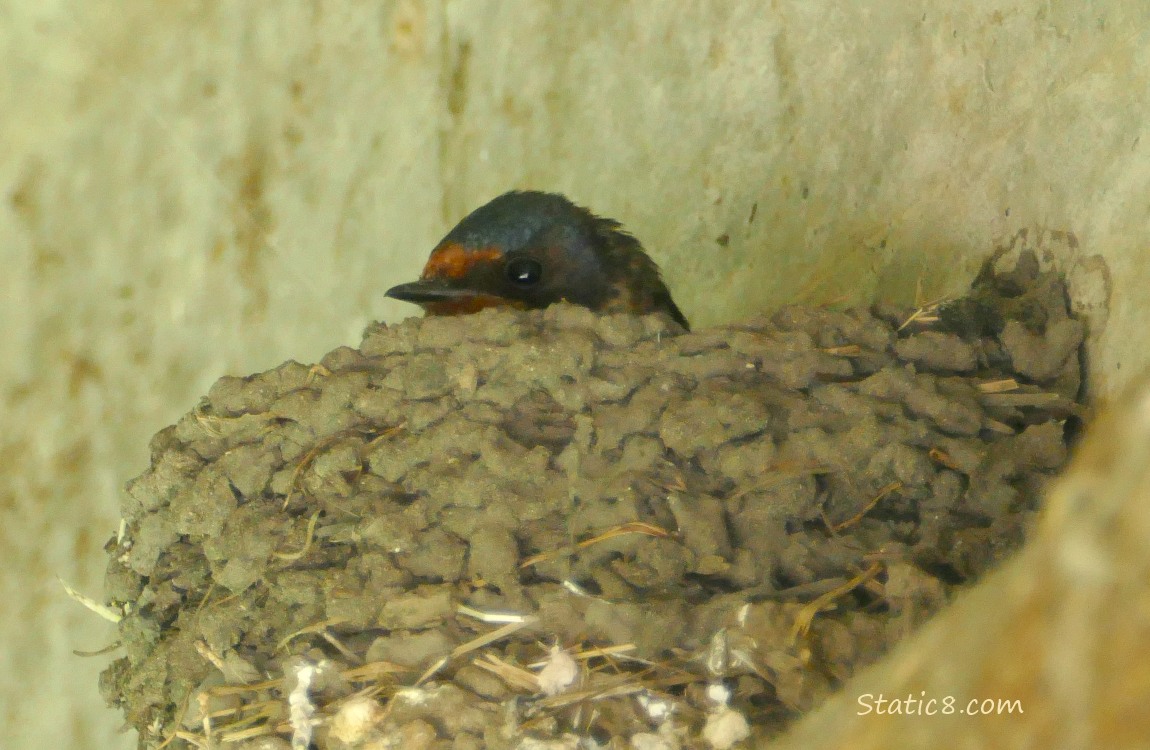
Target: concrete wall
x=199, y=188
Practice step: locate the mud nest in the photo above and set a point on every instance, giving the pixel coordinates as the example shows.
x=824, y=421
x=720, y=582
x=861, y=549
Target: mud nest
x=541, y=529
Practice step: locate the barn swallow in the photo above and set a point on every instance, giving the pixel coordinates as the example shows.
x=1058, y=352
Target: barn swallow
x=528, y=250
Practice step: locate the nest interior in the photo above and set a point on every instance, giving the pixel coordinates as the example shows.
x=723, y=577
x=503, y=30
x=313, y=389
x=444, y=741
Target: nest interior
x=762, y=507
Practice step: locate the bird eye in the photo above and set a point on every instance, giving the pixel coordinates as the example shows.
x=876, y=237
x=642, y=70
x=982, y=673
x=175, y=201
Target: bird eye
x=524, y=271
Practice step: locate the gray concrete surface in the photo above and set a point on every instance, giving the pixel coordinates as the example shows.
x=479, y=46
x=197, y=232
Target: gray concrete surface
x=199, y=188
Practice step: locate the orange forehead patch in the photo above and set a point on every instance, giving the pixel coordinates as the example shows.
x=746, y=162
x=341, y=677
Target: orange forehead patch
x=469, y=304
x=453, y=261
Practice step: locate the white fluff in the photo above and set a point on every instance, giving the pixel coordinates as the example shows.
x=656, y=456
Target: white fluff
x=301, y=711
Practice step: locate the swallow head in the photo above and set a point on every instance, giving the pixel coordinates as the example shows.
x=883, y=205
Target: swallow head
x=531, y=249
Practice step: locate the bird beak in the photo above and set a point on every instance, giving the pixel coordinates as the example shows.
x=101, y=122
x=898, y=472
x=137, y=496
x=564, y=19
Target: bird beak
x=425, y=291
x=437, y=298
